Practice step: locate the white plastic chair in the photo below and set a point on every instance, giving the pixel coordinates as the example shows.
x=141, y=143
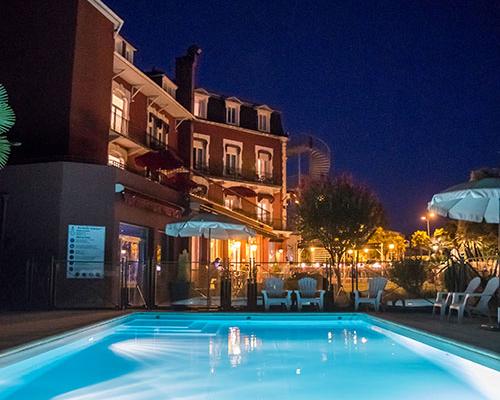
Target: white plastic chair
x=444, y=299
x=376, y=288
x=461, y=302
x=273, y=294
x=307, y=293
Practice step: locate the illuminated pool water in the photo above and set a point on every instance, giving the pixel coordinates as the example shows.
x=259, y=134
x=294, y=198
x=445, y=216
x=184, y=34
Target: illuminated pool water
x=248, y=356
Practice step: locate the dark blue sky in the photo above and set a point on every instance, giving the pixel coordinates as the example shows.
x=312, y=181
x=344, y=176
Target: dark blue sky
x=406, y=93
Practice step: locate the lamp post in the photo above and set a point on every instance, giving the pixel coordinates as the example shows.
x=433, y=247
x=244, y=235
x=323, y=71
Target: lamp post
x=427, y=219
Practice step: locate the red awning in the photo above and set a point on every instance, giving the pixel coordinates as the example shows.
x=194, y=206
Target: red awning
x=242, y=191
x=267, y=196
x=163, y=159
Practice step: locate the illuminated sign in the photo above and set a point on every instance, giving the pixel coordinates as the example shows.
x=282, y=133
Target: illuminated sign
x=85, y=256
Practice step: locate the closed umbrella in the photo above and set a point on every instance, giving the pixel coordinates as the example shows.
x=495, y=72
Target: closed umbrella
x=474, y=201
x=209, y=226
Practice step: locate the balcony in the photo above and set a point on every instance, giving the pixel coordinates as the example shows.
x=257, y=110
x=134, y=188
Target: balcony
x=119, y=124
x=266, y=177
x=155, y=143
x=232, y=172
x=202, y=168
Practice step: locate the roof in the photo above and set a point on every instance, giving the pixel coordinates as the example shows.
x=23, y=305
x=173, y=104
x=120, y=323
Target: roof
x=234, y=98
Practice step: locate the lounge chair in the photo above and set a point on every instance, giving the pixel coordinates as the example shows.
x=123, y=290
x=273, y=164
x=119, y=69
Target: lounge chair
x=376, y=288
x=273, y=294
x=444, y=299
x=307, y=293
x=462, y=303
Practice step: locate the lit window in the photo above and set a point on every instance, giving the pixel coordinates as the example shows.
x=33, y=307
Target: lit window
x=118, y=112
x=231, y=115
x=200, y=106
x=264, y=165
x=232, y=160
x=264, y=211
x=263, y=118
x=263, y=122
x=232, y=202
x=200, y=154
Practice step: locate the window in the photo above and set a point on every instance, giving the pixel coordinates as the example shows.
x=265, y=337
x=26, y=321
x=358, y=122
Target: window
x=118, y=112
x=232, y=160
x=264, y=118
x=200, y=106
x=231, y=115
x=263, y=123
x=200, y=154
x=264, y=211
x=233, y=111
x=264, y=166
x=232, y=202
x=158, y=130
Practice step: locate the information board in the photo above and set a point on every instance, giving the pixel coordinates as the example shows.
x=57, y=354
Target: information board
x=85, y=252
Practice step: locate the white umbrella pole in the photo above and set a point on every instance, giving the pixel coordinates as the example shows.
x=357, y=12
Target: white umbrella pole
x=208, y=268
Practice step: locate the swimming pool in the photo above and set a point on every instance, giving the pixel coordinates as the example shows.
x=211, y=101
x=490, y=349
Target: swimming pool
x=247, y=356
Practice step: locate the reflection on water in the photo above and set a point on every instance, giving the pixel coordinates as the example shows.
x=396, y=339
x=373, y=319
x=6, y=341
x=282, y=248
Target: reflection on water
x=234, y=352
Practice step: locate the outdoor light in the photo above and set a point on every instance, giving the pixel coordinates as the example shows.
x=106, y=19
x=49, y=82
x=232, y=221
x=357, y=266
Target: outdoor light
x=391, y=246
x=365, y=250
x=312, y=248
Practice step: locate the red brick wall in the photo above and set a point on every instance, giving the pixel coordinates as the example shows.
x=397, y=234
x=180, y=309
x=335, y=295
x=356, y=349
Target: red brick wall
x=219, y=133
x=91, y=88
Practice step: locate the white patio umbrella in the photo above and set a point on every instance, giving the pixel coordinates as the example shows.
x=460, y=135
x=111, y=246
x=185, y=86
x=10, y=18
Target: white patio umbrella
x=474, y=201
x=209, y=226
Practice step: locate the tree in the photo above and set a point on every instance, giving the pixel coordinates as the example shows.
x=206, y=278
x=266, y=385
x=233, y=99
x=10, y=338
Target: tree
x=7, y=119
x=389, y=242
x=420, y=240
x=340, y=214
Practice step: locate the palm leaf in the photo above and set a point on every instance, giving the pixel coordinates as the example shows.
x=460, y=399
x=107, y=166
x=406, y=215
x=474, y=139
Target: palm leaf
x=4, y=151
x=7, y=116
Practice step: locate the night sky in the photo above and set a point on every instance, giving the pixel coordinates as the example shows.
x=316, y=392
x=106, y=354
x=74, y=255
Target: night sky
x=406, y=93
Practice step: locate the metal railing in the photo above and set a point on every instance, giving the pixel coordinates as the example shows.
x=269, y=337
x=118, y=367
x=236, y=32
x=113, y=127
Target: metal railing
x=119, y=124
x=155, y=143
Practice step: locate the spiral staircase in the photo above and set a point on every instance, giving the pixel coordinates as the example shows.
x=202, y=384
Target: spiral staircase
x=309, y=159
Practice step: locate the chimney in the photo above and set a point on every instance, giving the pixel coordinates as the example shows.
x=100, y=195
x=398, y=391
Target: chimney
x=185, y=76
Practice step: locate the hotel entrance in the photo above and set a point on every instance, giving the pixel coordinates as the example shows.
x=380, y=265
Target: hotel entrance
x=133, y=261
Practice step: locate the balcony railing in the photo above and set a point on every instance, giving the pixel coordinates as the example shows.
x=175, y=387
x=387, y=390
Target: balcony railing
x=201, y=167
x=265, y=177
x=117, y=164
x=119, y=124
x=234, y=173
x=155, y=143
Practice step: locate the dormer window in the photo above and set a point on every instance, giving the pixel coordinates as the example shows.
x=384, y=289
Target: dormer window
x=125, y=49
x=200, y=106
x=233, y=111
x=264, y=118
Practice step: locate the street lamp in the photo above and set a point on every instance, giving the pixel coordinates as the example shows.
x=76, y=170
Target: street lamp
x=427, y=219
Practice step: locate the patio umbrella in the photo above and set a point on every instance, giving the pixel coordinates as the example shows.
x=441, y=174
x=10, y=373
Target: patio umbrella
x=474, y=201
x=209, y=226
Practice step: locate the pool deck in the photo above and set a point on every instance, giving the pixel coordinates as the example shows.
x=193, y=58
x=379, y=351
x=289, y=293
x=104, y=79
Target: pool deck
x=17, y=328
x=468, y=332
x=23, y=327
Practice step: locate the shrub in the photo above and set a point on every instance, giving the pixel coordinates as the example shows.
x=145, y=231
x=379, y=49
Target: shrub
x=410, y=274
x=458, y=275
